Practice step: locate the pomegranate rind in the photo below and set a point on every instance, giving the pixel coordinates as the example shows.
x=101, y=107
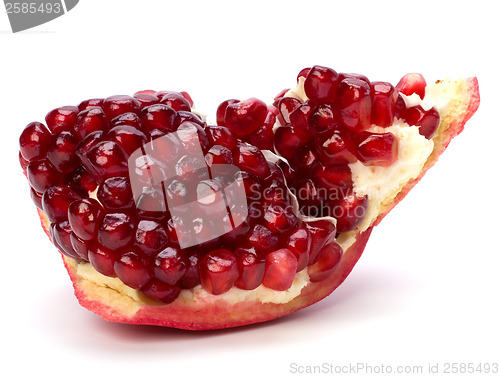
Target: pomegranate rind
x=114, y=306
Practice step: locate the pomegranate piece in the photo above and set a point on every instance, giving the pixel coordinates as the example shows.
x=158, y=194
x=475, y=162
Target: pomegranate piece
x=33, y=141
x=377, y=149
x=412, y=83
x=326, y=263
x=281, y=266
x=218, y=271
x=321, y=84
x=62, y=118
x=426, y=121
x=244, y=118
x=354, y=103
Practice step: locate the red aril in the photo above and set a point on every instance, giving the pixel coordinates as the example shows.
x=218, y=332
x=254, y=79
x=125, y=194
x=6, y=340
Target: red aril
x=377, y=149
x=426, y=121
x=218, y=271
x=412, y=83
x=243, y=118
x=281, y=266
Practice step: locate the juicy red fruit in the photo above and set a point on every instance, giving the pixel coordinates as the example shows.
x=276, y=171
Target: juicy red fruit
x=354, y=103
x=412, y=83
x=218, y=271
x=377, y=149
x=426, y=121
x=321, y=84
x=243, y=118
x=33, y=141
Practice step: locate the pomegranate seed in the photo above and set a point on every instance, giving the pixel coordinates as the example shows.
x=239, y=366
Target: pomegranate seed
x=322, y=119
x=176, y=101
x=337, y=148
x=299, y=243
x=359, y=76
x=354, y=103
x=150, y=237
x=252, y=184
x=41, y=175
x=191, y=136
x=37, y=199
x=84, y=216
x=23, y=162
x=188, y=98
x=87, y=104
x=160, y=291
x=251, y=266
x=80, y=246
x=117, y=105
x=102, y=259
x=377, y=149
x=61, y=152
x=62, y=118
x=303, y=73
x=60, y=235
x=218, y=271
x=299, y=118
x=81, y=181
x=426, y=121
x=349, y=211
x=127, y=119
x=263, y=137
x=191, y=277
x=327, y=262
x=303, y=159
x=262, y=238
x=309, y=196
x=412, y=83
x=90, y=120
x=90, y=141
x=399, y=107
x=383, y=103
x=281, y=266
x=170, y=265
x=146, y=99
x=321, y=84
x=249, y=158
x=188, y=116
x=219, y=135
x=116, y=193
x=288, y=140
x=286, y=106
x=322, y=232
x=160, y=117
x=275, y=194
x=281, y=94
x=221, y=111
x=244, y=118
x=56, y=200
x=34, y=140
x=129, y=138
x=334, y=176
x=132, y=270
x=151, y=204
x=279, y=219
x=106, y=159
x=116, y=231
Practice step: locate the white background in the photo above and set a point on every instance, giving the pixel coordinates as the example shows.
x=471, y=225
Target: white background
x=426, y=289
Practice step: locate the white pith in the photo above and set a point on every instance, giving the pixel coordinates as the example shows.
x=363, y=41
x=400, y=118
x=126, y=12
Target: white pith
x=381, y=184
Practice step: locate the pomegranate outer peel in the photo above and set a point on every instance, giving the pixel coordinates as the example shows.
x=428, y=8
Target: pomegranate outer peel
x=129, y=306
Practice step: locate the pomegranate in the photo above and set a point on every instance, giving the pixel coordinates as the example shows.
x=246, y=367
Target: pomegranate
x=163, y=219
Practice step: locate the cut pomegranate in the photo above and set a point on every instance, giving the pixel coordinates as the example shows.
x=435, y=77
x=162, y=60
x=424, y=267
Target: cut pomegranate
x=220, y=233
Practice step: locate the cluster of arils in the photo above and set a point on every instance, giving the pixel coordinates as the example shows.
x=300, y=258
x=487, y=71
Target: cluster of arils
x=84, y=167
x=343, y=119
